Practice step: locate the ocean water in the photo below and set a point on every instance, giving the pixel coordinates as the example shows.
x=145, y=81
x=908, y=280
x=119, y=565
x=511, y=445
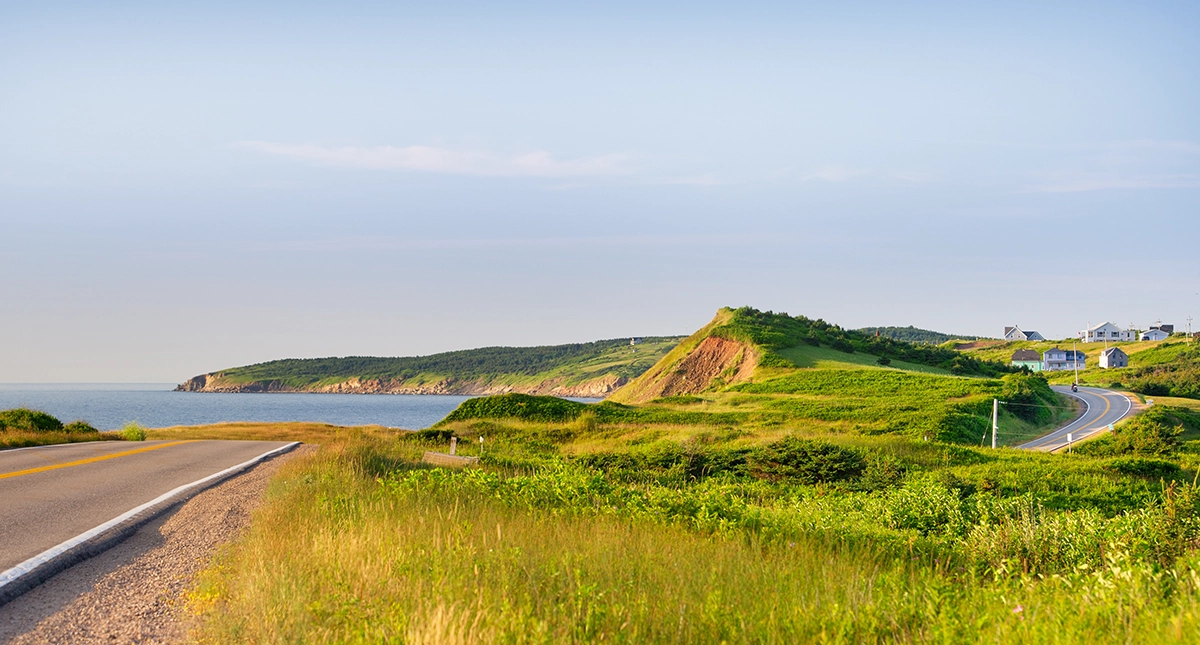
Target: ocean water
x=154, y=405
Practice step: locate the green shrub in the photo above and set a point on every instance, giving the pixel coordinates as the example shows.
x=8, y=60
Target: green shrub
x=80, y=427
x=435, y=435
x=928, y=506
x=1027, y=396
x=1145, y=467
x=806, y=461
x=133, y=431
x=544, y=409
x=29, y=421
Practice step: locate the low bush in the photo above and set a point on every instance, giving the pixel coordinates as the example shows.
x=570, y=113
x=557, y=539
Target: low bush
x=24, y=419
x=80, y=427
x=133, y=431
x=526, y=407
x=805, y=461
x=1145, y=467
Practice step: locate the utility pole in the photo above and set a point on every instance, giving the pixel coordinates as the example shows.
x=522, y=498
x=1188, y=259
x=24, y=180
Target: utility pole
x=1075, y=361
x=995, y=420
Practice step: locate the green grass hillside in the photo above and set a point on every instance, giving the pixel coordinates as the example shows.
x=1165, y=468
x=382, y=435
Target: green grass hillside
x=580, y=369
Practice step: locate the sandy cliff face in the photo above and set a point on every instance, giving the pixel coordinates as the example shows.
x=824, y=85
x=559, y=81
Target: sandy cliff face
x=595, y=388
x=711, y=361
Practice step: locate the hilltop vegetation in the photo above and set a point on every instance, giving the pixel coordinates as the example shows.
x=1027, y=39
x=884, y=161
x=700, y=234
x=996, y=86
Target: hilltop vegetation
x=779, y=331
x=579, y=369
x=912, y=334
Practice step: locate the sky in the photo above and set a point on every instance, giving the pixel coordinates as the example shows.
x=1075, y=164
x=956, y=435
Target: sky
x=186, y=187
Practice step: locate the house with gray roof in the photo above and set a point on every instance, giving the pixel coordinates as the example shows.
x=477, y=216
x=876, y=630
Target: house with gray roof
x=1113, y=357
x=1027, y=358
x=1015, y=333
x=1056, y=360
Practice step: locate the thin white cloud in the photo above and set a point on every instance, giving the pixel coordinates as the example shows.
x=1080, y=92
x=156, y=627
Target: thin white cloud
x=915, y=177
x=1157, y=144
x=652, y=241
x=537, y=163
x=707, y=179
x=831, y=173
x=1088, y=184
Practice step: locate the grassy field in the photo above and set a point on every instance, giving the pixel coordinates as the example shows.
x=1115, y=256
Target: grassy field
x=930, y=543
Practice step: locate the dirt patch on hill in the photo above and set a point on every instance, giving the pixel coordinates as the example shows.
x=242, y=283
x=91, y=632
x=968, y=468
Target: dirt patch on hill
x=714, y=358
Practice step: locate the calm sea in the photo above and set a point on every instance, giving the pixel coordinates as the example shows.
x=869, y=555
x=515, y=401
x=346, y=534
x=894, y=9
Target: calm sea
x=154, y=405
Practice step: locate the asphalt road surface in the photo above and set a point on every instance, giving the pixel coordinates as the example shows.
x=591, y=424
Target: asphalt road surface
x=1101, y=407
x=51, y=494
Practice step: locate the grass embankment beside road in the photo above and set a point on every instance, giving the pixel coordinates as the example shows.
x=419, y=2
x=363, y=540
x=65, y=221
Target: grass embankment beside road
x=848, y=539
x=23, y=428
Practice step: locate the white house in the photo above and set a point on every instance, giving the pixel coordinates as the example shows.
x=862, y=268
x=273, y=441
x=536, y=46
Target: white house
x=1107, y=332
x=1015, y=333
x=1113, y=357
x=1155, y=334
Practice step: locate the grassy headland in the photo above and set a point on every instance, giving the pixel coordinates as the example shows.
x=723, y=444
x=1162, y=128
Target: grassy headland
x=581, y=369
x=745, y=500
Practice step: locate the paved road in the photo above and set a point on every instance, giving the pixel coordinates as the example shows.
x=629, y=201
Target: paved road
x=51, y=494
x=1101, y=407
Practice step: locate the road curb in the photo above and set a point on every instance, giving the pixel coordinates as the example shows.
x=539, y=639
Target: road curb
x=45, y=565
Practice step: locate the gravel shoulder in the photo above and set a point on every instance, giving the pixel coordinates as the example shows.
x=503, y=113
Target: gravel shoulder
x=133, y=592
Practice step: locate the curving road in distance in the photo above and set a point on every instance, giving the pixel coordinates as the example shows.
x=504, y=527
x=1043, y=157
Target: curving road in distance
x=52, y=494
x=1101, y=407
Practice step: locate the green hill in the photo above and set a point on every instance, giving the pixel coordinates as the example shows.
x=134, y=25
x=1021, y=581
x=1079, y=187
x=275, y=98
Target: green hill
x=578, y=369
x=770, y=373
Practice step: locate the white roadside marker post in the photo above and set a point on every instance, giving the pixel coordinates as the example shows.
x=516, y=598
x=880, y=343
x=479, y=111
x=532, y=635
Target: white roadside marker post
x=1069, y=441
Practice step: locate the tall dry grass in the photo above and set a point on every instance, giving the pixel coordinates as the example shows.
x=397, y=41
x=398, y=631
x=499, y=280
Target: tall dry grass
x=339, y=555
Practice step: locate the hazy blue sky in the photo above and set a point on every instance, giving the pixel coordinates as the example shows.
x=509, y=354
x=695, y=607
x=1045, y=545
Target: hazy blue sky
x=191, y=186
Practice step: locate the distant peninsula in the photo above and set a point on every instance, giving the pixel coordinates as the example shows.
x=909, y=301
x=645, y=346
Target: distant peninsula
x=593, y=369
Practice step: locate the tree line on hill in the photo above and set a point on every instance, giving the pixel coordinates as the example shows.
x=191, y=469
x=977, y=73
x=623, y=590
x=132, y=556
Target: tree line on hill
x=462, y=364
x=914, y=335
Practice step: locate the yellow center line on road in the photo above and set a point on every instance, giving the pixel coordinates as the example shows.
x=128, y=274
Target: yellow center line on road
x=90, y=460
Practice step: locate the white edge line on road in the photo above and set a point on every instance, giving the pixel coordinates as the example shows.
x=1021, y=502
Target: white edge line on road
x=1029, y=445
x=17, y=572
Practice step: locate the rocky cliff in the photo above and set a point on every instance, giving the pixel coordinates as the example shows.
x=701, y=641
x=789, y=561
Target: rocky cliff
x=596, y=388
